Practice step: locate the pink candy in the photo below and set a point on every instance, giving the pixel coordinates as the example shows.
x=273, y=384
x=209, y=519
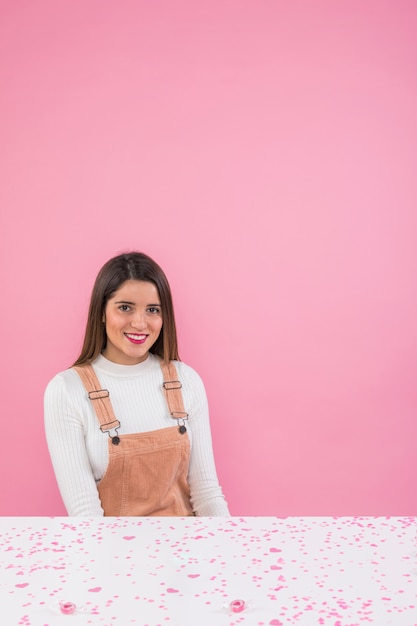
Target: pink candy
x=68, y=608
x=237, y=606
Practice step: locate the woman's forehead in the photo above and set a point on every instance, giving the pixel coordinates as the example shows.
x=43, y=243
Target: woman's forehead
x=135, y=290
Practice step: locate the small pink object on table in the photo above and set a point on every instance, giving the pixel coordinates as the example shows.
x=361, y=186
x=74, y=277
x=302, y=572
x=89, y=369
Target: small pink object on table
x=237, y=606
x=68, y=608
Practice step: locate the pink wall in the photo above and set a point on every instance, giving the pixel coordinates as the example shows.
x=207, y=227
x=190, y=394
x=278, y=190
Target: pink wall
x=264, y=152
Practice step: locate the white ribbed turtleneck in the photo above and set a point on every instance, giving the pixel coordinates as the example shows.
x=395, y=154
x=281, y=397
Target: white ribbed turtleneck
x=78, y=448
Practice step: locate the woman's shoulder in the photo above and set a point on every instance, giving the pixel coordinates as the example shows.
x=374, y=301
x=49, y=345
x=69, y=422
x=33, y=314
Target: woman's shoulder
x=67, y=379
x=188, y=374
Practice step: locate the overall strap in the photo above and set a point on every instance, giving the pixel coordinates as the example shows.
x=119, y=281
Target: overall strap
x=99, y=397
x=103, y=407
x=173, y=394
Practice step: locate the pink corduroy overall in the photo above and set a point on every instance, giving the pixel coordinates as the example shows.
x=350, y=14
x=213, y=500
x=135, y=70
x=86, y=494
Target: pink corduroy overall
x=147, y=472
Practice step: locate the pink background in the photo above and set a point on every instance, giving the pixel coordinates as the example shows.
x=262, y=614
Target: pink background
x=264, y=153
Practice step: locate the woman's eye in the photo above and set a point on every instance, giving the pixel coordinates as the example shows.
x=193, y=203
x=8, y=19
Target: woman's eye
x=124, y=307
x=154, y=309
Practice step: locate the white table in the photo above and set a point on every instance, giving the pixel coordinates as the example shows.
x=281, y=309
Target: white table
x=174, y=572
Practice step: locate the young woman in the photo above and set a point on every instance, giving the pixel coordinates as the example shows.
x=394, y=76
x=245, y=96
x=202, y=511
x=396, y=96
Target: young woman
x=127, y=425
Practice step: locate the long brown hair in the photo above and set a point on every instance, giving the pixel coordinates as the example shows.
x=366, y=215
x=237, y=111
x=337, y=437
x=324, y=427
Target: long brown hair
x=128, y=266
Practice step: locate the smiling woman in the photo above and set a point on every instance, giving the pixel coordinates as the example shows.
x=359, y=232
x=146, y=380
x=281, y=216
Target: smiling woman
x=108, y=419
x=133, y=320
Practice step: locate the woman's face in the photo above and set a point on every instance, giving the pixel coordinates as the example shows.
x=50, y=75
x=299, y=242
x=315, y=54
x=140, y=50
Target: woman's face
x=133, y=320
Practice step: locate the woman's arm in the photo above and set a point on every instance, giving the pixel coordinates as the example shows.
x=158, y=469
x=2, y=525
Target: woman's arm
x=206, y=494
x=66, y=442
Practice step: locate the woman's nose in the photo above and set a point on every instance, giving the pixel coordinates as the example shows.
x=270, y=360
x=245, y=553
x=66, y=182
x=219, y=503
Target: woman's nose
x=139, y=321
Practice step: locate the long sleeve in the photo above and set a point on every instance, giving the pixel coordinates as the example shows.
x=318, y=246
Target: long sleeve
x=206, y=494
x=65, y=435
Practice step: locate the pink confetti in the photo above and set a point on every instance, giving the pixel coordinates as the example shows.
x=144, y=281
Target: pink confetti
x=322, y=555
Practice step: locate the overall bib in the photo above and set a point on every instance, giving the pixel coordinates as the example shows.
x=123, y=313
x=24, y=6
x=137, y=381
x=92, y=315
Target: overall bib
x=147, y=472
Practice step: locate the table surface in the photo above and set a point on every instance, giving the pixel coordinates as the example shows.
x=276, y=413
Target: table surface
x=304, y=571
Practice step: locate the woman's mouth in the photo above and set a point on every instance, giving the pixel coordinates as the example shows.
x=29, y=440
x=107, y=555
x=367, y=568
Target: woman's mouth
x=136, y=339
